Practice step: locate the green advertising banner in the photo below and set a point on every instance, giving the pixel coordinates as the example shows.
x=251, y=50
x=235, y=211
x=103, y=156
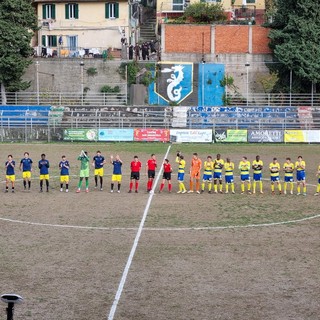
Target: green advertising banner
x=236, y=136
x=80, y=135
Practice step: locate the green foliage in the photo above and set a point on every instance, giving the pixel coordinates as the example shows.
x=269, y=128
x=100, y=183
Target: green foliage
x=18, y=21
x=133, y=68
x=295, y=41
x=228, y=83
x=203, y=12
x=108, y=89
x=92, y=71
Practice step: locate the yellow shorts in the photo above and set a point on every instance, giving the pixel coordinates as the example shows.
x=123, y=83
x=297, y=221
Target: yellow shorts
x=44, y=177
x=11, y=178
x=26, y=174
x=64, y=179
x=98, y=172
x=116, y=177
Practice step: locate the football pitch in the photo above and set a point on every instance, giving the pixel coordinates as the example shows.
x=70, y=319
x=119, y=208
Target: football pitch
x=159, y=256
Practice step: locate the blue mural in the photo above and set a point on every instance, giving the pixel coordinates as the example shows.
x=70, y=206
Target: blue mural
x=15, y=116
x=187, y=84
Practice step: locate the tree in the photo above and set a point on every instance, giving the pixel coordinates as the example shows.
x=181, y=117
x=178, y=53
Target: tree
x=18, y=21
x=203, y=12
x=295, y=41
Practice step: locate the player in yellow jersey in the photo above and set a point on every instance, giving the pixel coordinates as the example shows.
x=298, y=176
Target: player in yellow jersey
x=228, y=174
x=207, y=174
x=181, y=169
x=318, y=186
x=257, y=166
x=274, y=167
x=288, y=169
x=300, y=166
x=217, y=173
x=244, y=167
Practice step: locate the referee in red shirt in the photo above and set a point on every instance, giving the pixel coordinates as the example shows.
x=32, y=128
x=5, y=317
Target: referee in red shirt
x=151, y=171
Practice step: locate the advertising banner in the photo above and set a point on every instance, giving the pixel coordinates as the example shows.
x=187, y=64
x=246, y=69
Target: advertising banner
x=291, y=136
x=162, y=135
x=80, y=135
x=312, y=135
x=220, y=135
x=271, y=136
x=191, y=135
x=115, y=134
x=236, y=136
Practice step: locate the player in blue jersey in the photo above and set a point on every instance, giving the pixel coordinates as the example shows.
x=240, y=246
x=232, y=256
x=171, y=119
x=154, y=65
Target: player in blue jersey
x=10, y=175
x=26, y=167
x=64, y=167
x=98, y=163
x=44, y=165
x=116, y=174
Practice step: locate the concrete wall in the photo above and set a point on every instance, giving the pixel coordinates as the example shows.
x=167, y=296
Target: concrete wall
x=64, y=75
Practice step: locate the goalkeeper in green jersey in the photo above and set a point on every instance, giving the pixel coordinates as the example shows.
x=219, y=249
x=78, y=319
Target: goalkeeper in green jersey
x=84, y=170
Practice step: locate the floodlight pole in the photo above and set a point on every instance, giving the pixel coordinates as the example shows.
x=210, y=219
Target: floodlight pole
x=11, y=299
x=247, y=82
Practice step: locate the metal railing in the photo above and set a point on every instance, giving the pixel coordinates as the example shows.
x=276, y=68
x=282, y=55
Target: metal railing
x=121, y=98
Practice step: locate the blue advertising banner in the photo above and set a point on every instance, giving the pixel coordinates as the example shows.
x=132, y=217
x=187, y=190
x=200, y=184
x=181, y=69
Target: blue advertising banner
x=115, y=134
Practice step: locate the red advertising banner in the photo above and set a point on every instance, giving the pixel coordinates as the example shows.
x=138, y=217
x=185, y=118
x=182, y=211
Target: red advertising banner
x=162, y=135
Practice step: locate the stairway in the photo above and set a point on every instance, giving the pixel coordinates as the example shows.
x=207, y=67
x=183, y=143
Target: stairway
x=147, y=30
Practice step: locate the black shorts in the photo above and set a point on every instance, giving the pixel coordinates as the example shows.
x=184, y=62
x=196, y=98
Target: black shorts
x=166, y=175
x=151, y=174
x=135, y=176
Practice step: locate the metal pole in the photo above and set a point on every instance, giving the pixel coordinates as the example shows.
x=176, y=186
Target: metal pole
x=81, y=70
x=247, y=82
x=10, y=311
x=202, y=84
x=290, y=87
x=37, y=82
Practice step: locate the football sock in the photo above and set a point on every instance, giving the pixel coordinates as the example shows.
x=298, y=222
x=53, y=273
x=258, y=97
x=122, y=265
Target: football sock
x=191, y=185
x=47, y=184
x=112, y=184
x=232, y=187
x=279, y=187
x=7, y=187
x=227, y=187
x=291, y=186
x=209, y=186
x=318, y=188
x=137, y=185
x=249, y=186
x=220, y=188
x=41, y=184
x=29, y=184
x=215, y=188
x=285, y=187
x=67, y=186
x=261, y=186
x=161, y=186
x=87, y=183
x=242, y=187
x=24, y=183
x=119, y=186
x=61, y=185
x=96, y=180
x=131, y=185
x=101, y=182
x=170, y=187
x=304, y=189
x=202, y=186
x=254, y=186
x=198, y=185
x=80, y=184
x=272, y=187
x=298, y=189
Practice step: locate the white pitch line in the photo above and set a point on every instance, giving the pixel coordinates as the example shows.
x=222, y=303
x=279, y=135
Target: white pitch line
x=135, y=244
x=65, y=226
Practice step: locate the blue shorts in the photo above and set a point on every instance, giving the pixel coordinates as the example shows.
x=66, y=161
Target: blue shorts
x=288, y=179
x=217, y=175
x=257, y=176
x=301, y=175
x=319, y=181
x=207, y=177
x=274, y=179
x=229, y=179
x=245, y=177
x=180, y=176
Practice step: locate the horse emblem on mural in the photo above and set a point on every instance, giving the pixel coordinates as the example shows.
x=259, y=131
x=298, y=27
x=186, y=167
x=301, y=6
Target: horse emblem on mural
x=174, y=81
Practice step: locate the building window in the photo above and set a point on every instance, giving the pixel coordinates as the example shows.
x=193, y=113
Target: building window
x=251, y=1
x=112, y=10
x=72, y=11
x=49, y=41
x=177, y=5
x=48, y=11
x=72, y=42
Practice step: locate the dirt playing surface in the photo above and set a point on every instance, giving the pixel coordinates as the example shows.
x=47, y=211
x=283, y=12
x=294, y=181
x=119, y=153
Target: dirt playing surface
x=65, y=252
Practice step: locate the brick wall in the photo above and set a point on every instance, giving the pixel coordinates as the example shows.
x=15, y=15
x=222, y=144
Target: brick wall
x=231, y=39
x=187, y=38
x=227, y=39
x=260, y=40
